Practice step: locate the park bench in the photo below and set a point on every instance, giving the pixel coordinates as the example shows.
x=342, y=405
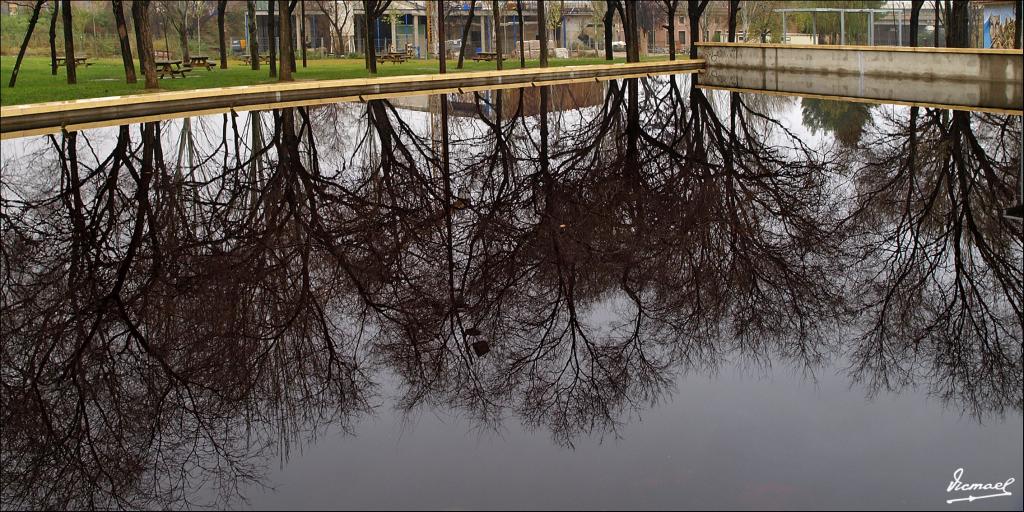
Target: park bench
x=172, y=68
x=485, y=56
x=79, y=61
x=263, y=58
x=396, y=57
x=200, y=60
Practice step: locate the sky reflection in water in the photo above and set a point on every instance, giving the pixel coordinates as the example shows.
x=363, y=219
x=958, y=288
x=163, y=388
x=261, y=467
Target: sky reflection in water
x=683, y=298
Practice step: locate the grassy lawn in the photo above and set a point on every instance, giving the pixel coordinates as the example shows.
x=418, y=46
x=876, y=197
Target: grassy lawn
x=106, y=76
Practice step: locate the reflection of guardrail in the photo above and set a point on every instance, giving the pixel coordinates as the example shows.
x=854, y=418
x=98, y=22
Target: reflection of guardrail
x=23, y=120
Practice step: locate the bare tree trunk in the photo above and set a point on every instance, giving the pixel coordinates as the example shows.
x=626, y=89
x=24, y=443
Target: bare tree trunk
x=342, y=41
x=522, y=34
x=499, y=44
x=254, y=37
x=53, y=38
x=272, y=32
x=915, y=20
x=937, y=2
x=339, y=34
x=69, y=42
x=302, y=30
x=144, y=43
x=24, y=45
x=286, y=42
x=561, y=26
x=161, y=25
x=183, y=36
x=126, y=46
x=542, y=33
x=442, y=48
x=694, y=10
x=957, y=35
x=465, y=32
x=291, y=40
x=370, y=52
x=631, y=25
x=609, y=22
x=670, y=6
x=734, y=9
x=222, y=6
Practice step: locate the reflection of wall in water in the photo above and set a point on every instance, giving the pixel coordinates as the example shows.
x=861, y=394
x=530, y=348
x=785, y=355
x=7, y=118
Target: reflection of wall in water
x=562, y=97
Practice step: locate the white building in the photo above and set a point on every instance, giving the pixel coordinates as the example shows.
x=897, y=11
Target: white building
x=407, y=22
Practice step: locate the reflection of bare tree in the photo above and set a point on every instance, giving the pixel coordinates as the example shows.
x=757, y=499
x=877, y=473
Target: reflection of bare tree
x=168, y=350
x=753, y=223
x=559, y=230
x=171, y=319
x=943, y=296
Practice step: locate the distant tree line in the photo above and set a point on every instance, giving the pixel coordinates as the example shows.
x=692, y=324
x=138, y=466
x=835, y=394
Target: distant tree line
x=183, y=17
x=638, y=19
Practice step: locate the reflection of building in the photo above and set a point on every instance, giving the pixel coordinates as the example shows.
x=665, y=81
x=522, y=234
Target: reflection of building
x=561, y=98
x=318, y=28
x=9, y=8
x=404, y=23
x=714, y=26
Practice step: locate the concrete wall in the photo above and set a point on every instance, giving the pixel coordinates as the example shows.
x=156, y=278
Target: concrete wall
x=875, y=61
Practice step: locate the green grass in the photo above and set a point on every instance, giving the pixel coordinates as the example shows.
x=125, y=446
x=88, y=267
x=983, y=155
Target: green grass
x=106, y=76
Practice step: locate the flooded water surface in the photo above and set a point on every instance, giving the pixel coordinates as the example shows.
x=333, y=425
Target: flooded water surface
x=625, y=294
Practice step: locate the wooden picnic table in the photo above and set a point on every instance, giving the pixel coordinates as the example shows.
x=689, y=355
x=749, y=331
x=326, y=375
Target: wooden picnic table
x=263, y=58
x=488, y=56
x=171, y=67
x=200, y=60
x=396, y=57
x=78, y=61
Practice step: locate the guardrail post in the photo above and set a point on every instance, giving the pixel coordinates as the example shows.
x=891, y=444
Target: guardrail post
x=842, y=27
x=871, y=28
x=783, y=27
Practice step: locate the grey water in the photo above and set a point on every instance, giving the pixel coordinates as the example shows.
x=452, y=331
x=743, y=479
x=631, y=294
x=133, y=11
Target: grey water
x=613, y=295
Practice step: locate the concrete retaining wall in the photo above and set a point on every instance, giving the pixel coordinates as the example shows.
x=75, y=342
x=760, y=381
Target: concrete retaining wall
x=949, y=64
